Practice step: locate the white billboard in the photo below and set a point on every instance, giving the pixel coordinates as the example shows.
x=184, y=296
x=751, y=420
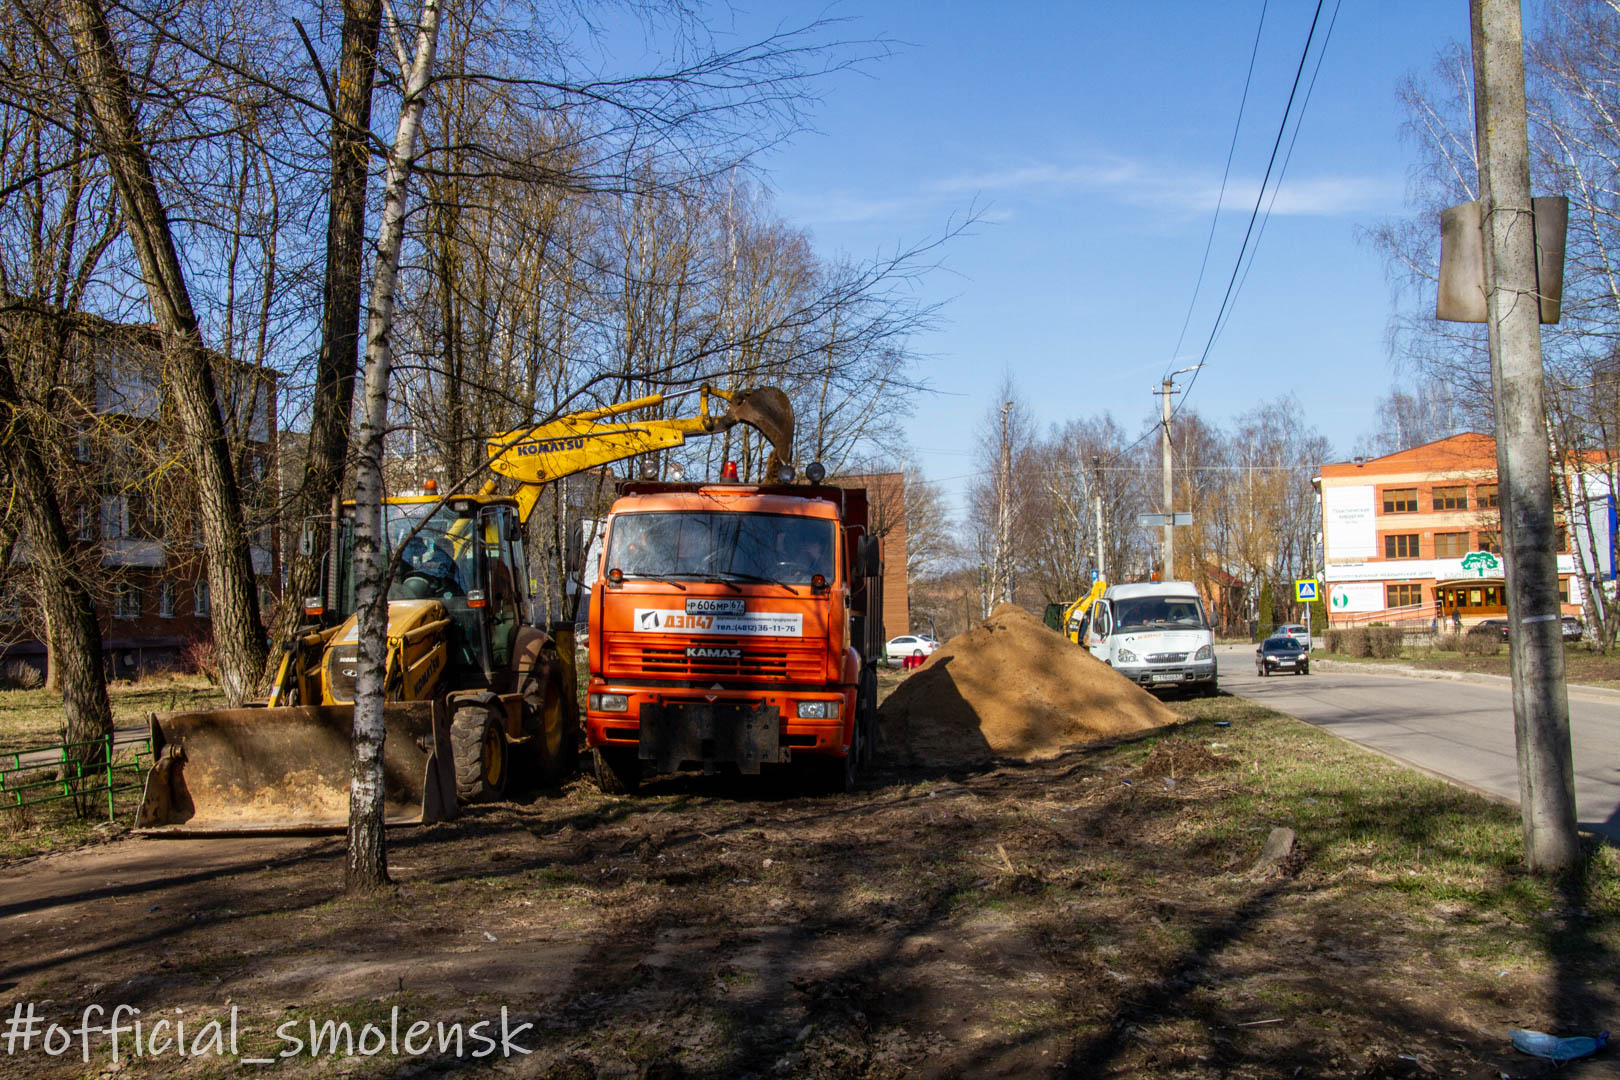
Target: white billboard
x=1349, y=525
x=1357, y=596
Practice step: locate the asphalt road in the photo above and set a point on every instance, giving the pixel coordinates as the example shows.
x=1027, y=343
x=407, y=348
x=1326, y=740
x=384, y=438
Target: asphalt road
x=1459, y=730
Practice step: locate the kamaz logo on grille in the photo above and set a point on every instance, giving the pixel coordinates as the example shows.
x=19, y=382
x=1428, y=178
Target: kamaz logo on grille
x=698, y=652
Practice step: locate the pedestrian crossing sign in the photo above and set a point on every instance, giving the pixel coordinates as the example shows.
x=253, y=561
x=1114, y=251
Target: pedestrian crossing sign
x=1305, y=591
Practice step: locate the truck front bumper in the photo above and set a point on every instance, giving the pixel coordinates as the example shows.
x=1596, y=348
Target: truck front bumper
x=676, y=730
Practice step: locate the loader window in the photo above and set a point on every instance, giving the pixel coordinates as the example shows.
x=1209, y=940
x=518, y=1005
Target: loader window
x=777, y=547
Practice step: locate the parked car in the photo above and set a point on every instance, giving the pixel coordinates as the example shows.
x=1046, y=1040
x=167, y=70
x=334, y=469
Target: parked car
x=1281, y=653
x=896, y=651
x=1295, y=631
x=1488, y=626
x=1574, y=629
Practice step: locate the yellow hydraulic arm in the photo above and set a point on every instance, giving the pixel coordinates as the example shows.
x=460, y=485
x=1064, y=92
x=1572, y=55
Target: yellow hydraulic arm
x=536, y=456
x=1080, y=607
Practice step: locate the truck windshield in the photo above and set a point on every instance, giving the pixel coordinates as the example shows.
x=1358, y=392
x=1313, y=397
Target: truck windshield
x=1158, y=613
x=703, y=544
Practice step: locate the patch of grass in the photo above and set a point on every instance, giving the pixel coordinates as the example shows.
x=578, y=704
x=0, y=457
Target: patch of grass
x=1582, y=666
x=30, y=718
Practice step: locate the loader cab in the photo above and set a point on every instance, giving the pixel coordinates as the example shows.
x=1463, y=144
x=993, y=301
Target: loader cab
x=466, y=554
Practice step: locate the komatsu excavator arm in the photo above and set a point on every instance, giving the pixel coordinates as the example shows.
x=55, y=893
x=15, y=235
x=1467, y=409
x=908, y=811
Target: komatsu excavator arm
x=536, y=456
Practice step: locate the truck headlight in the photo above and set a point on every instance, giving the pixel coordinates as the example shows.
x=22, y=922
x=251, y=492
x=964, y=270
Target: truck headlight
x=1125, y=656
x=818, y=710
x=610, y=703
x=1204, y=652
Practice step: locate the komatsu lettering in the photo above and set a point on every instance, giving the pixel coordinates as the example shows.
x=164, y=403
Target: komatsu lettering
x=551, y=446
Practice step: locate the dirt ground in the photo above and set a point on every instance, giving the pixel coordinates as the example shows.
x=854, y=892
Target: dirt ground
x=1064, y=917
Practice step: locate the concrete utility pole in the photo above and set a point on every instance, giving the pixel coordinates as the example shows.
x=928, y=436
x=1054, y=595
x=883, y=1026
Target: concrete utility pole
x=1096, y=470
x=1165, y=391
x=1540, y=703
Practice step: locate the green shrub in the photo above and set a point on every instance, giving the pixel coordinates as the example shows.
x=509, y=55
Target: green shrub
x=1351, y=641
x=1384, y=642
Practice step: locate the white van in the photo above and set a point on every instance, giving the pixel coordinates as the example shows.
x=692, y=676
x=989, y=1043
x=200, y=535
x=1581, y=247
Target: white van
x=1155, y=633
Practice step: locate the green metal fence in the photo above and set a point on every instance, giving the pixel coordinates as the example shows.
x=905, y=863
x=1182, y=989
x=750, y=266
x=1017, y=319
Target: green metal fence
x=49, y=774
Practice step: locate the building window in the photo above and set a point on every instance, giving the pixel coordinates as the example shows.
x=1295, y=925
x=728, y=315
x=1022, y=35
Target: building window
x=1563, y=590
x=87, y=523
x=1450, y=545
x=1561, y=540
x=1401, y=546
x=1486, y=494
x=1491, y=542
x=1451, y=498
x=200, y=606
x=11, y=610
x=81, y=447
x=127, y=604
x=1400, y=500
x=166, y=600
x=1402, y=595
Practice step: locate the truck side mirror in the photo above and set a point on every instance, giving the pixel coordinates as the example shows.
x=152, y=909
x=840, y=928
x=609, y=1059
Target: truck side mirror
x=869, y=557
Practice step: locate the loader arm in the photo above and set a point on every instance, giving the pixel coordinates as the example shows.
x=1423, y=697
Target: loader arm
x=538, y=455
x=1080, y=607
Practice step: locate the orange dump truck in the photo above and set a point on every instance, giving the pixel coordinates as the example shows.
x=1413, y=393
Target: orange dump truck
x=734, y=626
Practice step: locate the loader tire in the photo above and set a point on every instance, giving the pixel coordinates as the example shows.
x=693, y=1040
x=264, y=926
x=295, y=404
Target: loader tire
x=483, y=758
x=618, y=769
x=552, y=722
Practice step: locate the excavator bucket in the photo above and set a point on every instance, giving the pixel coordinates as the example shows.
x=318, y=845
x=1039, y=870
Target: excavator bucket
x=287, y=769
x=768, y=410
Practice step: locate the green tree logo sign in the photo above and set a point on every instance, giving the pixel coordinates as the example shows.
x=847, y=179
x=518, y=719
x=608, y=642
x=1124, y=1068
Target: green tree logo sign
x=1481, y=561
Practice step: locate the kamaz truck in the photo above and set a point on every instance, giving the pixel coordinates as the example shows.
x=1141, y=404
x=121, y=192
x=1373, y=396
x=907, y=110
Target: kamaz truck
x=734, y=627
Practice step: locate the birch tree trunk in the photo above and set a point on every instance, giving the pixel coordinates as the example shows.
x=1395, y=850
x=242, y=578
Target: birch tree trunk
x=368, y=860
x=332, y=410
x=100, y=78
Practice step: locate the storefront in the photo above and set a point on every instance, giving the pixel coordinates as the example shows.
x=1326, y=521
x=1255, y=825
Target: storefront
x=1470, y=597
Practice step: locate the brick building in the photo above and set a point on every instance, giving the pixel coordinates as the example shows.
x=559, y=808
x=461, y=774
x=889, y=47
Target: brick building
x=124, y=490
x=886, y=495
x=1417, y=535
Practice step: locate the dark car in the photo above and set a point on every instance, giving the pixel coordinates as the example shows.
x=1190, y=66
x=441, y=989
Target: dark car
x=1574, y=629
x=1489, y=626
x=1281, y=654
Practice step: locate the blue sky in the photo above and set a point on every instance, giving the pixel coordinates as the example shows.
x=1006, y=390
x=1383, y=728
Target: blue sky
x=1092, y=137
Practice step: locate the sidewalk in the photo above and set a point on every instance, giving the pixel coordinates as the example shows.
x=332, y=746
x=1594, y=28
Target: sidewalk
x=1407, y=671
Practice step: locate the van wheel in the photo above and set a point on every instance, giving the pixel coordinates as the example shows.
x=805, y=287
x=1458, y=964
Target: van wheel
x=478, y=739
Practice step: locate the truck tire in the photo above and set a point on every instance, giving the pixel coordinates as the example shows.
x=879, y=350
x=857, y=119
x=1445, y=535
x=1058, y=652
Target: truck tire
x=866, y=716
x=618, y=769
x=483, y=759
x=828, y=775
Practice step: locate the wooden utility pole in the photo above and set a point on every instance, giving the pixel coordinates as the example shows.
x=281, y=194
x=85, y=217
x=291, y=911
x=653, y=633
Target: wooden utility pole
x=1169, y=507
x=1536, y=650
x=1001, y=586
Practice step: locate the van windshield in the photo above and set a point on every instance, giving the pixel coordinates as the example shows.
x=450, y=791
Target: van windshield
x=1159, y=613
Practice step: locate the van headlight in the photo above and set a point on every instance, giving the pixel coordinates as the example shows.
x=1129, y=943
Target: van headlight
x=610, y=702
x=1125, y=656
x=818, y=710
x=1204, y=652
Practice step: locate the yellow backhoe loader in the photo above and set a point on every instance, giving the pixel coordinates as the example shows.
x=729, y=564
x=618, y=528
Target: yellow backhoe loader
x=1070, y=621
x=472, y=688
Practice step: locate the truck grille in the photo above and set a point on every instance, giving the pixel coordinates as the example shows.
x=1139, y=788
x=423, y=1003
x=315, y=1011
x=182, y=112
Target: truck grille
x=634, y=656
x=1167, y=658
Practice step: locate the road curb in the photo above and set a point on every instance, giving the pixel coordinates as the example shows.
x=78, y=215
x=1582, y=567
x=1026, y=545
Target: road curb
x=1406, y=671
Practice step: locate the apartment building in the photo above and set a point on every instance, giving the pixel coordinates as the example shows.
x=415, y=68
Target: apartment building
x=1416, y=535
x=122, y=482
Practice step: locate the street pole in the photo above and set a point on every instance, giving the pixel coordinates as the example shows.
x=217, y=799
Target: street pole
x=1096, y=469
x=1169, y=512
x=1535, y=648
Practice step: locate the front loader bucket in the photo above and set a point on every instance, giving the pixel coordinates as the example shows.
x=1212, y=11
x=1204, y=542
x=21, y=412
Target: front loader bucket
x=768, y=410
x=288, y=769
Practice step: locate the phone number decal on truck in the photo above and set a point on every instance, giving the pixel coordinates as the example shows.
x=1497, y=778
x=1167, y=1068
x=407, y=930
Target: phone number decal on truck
x=755, y=624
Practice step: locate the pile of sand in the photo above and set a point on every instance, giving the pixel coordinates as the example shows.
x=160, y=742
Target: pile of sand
x=1010, y=687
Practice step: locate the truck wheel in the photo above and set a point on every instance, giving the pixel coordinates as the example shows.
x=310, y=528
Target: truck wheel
x=478, y=739
x=618, y=770
x=866, y=717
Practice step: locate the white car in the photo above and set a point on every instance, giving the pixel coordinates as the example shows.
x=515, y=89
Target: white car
x=908, y=645
x=1295, y=631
